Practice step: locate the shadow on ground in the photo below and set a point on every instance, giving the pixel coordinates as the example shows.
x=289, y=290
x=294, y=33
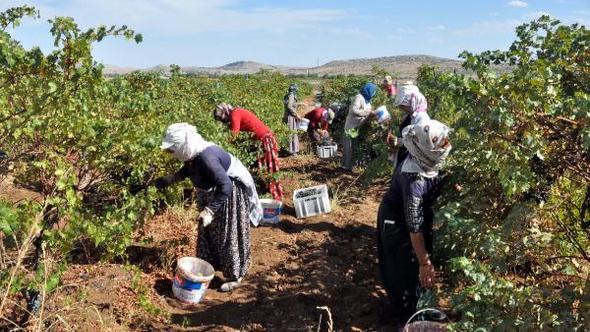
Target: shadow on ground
x=340, y=273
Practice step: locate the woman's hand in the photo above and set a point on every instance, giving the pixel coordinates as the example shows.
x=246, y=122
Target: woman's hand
x=391, y=139
x=427, y=275
x=206, y=217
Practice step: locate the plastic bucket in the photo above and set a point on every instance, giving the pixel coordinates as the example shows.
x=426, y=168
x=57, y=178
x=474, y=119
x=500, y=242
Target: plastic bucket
x=303, y=124
x=382, y=114
x=271, y=210
x=191, y=279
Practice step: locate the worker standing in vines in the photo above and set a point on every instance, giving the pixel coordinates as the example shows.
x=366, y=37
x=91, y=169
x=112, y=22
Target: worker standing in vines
x=389, y=87
x=414, y=106
x=241, y=119
x=228, y=197
x=291, y=118
x=358, y=111
x=404, y=221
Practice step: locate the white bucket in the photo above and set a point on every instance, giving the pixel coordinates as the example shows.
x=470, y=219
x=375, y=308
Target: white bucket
x=271, y=210
x=191, y=279
x=303, y=124
x=382, y=114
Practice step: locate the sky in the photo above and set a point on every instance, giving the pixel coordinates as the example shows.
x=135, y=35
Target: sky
x=293, y=33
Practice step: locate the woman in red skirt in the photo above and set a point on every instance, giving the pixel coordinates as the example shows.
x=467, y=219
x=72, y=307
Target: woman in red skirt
x=241, y=119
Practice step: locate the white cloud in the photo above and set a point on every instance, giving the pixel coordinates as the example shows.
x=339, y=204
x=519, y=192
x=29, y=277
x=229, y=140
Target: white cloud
x=181, y=17
x=405, y=30
x=347, y=32
x=439, y=27
x=394, y=37
x=488, y=28
x=517, y=4
x=437, y=41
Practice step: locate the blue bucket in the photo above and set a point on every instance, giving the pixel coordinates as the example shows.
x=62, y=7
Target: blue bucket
x=271, y=210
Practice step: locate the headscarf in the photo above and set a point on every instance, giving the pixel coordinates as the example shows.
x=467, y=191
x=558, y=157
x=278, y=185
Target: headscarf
x=409, y=95
x=183, y=139
x=388, y=80
x=427, y=143
x=328, y=116
x=368, y=91
x=223, y=111
x=293, y=88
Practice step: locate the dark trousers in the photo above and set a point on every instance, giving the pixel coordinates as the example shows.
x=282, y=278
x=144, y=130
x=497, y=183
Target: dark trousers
x=398, y=264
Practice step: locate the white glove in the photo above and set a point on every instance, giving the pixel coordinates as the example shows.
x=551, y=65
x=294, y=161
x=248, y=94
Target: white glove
x=206, y=217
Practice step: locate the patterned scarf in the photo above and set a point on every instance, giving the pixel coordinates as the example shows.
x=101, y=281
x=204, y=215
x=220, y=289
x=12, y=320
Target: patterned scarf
x=223, y=112
x=409, y=95
x=428, y=145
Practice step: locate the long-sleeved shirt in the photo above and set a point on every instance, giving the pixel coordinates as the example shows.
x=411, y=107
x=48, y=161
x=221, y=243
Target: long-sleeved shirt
x=208, y=170
x=391, y=91
x=410, y=198
x=243, y=120
x=316, y=119
x=358, y=111
x=290, y=106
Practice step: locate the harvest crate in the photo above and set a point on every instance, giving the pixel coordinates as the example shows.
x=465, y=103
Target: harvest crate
x=311, y=201
x=327, y=151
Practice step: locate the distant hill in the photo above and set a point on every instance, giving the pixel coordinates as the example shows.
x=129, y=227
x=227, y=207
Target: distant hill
x=403, y=66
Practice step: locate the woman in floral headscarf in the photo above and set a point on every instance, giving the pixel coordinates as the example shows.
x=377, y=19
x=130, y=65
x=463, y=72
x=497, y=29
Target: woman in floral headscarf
x=404, y=222
x=230, y=200
x=413, y=103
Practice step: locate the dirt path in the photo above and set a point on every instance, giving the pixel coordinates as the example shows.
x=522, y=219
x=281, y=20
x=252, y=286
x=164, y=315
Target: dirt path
x=297, y=265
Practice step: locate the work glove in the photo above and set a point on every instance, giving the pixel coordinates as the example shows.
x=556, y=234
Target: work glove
x=205, y=217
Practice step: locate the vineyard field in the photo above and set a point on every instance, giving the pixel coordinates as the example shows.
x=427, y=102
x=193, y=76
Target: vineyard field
x=86, y=243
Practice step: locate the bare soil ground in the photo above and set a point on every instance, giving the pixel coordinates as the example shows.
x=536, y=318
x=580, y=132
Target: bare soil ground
x=297, y=266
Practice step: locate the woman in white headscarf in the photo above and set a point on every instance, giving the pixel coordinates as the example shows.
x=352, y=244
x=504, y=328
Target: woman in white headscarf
x=404, y=222
x=230, y=201
x=413, y=103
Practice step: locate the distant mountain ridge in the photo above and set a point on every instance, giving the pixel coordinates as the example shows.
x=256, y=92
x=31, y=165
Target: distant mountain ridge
x=403, y=66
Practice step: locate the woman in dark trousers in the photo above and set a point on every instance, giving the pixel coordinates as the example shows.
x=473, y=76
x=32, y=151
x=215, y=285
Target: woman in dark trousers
x=404, y=222
x=230, y=200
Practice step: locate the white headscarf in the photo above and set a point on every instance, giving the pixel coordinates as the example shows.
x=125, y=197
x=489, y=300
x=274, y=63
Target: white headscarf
x=183, y=139
x=409, y=95
x=425, y=142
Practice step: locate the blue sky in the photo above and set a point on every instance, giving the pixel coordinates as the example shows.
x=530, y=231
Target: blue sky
x=297, y=32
